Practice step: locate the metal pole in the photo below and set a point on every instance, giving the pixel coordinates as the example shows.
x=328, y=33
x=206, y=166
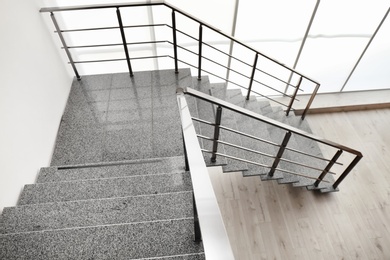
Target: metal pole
x=310, y=101
x=280, y=154
x=303, y=42
x=293, y=97
x=174, y=40
x=118, y=13
x=216, y=133
x=347, y=171
x=252, y=76
x=187, y=167
x=198, y=234
x=234, y=25
x=200, y=52
x=365, y=49
x=328, y=167
x=64, y=45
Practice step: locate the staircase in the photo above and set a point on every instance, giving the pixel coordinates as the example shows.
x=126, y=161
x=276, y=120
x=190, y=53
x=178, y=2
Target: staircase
x=110, y=201
x=117, y=186
x=300, y=152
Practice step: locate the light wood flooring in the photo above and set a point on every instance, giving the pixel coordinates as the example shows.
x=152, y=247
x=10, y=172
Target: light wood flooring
x=265, y=220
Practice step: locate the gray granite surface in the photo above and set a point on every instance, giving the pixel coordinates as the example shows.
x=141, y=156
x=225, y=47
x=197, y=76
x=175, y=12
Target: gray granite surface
x=84, y=213
x=123, y=241
x=276, y=135
x=218, y=90
x=114, y=117
x=105, y=188
x=255, y=128
x=206, y=112
x=125, y=168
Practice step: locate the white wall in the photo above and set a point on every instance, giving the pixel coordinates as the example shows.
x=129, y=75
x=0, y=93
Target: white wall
x=34, y=86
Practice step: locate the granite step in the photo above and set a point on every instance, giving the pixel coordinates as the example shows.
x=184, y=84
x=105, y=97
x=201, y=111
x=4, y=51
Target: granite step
x=312, y=148
x=218, y=90
x=277, y=135
x=105, y=188
x=258, y=129
x=87, y=213
x=111, y=170
x=168, y=239
x=302, y=144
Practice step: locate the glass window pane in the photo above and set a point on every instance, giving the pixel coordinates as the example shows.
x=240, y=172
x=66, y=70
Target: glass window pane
x=373, y=71
x=340, y=32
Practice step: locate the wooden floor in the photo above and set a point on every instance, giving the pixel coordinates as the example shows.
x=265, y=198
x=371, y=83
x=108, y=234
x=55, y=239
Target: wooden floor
x=265, y=220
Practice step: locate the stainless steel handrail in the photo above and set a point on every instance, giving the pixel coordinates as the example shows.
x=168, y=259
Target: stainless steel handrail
x=174, y=29
x=289, y=129
x=243, y=111
x=160, y=2
x=215, y=240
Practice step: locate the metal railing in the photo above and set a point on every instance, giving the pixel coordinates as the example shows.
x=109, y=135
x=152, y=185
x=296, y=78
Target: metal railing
x=208, y=225
x=319, y=179
x=247, y=82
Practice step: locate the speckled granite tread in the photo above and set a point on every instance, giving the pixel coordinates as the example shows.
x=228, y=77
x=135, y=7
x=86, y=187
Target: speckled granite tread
x=124, y=241
x=60, y=215
x=104, y=170
x=105, y=188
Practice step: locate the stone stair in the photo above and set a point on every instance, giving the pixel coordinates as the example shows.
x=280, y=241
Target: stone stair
x=117, y=186
x=125, y=211
x=272, y=134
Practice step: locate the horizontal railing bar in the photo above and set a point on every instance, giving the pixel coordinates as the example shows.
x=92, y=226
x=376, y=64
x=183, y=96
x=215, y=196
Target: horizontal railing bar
x=307, y=154
x=261, y=153
x=299, y=174
x=263, y=165
x=110, y=28
x=214, y=62
x=205, y=43
x=100, y=6
x=273, y=100
x=280, y=92
x=238, y=159
x=304, y=165
x=245, y=149
x=206, y=138
x=113, y=44
x=248, y=135
x=285, y=82
x=243, y=111
x=121, y=59
x=263, y=140
x=203, y=121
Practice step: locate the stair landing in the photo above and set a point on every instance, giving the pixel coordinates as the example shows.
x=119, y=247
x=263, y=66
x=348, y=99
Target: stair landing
x=115, y=117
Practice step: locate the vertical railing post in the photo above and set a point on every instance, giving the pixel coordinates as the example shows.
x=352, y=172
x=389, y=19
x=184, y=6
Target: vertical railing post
x=347, y=171
x=310, y=101
x=200, y=52
x=252, y=76
x=327, y=168
x=187, y=167
x=198, y=234
x=53, y=18
x=280, y=153
x=118, y=13
x=174, y=40
x=216, y=134
x=294, y=96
